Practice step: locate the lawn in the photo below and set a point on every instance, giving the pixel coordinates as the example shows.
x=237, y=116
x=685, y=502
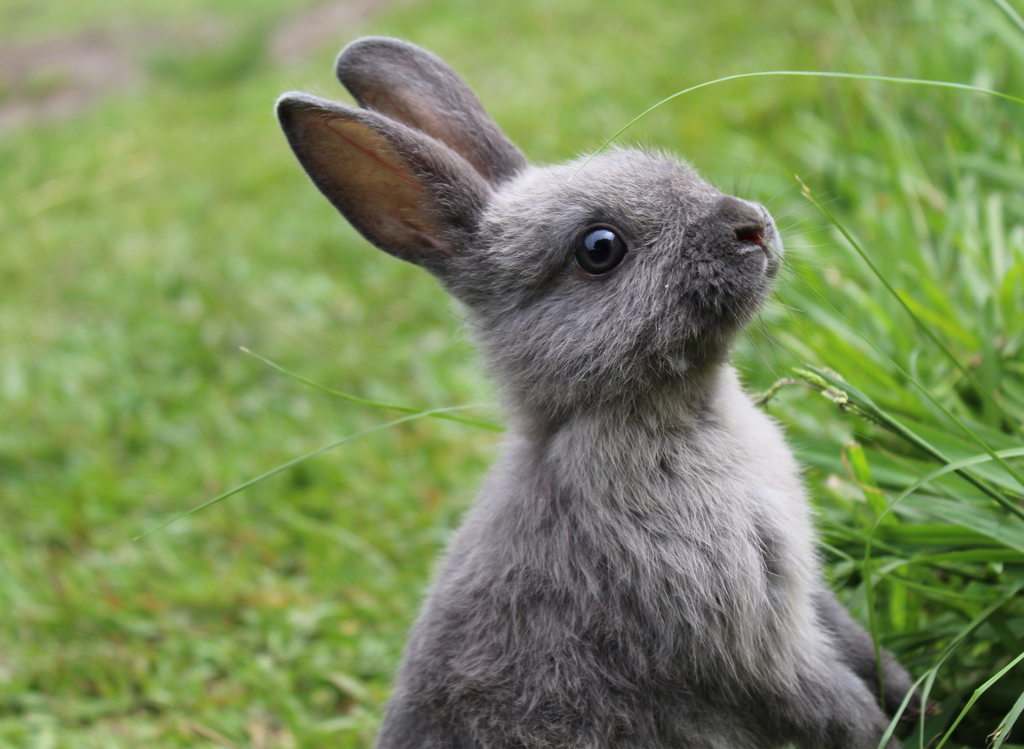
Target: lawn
x=150, y=235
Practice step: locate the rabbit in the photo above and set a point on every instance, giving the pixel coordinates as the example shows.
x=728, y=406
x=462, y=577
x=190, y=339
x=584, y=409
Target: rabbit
x=639, y=570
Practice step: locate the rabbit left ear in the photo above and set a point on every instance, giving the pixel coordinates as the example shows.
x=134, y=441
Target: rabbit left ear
x=419, y=89
x=405, y=192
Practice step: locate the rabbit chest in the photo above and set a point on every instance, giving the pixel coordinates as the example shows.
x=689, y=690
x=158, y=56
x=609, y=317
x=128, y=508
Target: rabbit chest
x=628, y=555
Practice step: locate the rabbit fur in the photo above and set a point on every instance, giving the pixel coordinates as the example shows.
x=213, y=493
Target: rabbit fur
x=639, y=571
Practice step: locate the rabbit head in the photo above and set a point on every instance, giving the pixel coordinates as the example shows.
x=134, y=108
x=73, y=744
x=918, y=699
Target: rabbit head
x=613, y=282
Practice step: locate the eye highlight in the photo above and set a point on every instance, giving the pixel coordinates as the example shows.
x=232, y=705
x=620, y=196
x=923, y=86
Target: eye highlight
x=600, y=251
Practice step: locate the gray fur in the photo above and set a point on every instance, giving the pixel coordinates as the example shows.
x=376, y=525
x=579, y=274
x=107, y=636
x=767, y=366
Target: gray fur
x=639, y=570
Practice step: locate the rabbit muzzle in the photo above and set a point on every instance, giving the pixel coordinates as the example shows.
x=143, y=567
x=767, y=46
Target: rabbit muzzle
x=747, y=228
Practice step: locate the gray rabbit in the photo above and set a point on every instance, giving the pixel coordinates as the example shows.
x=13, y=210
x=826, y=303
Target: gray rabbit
x=639, y=571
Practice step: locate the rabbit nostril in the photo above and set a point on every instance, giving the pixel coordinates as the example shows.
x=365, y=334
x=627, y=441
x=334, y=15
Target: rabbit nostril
x=754, y=235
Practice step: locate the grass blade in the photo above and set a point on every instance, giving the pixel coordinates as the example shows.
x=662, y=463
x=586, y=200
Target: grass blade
x=1007, y=531
x=489, y=425
x=1007, y=723
x=1013, y=16
x=869, y=586
x=977, y=693
x=297, y=461
x=798, y=73
x=899, y=713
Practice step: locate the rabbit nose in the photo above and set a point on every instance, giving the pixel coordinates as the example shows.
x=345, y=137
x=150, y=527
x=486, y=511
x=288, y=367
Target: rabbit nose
x=739, y=219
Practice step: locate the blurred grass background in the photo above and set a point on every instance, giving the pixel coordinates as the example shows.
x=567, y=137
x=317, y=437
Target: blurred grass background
x=150, y=234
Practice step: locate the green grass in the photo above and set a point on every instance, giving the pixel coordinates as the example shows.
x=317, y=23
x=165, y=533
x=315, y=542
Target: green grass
x=148, y=239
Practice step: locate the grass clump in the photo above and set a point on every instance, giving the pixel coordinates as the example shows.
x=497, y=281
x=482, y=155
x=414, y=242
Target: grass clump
x=916, y=300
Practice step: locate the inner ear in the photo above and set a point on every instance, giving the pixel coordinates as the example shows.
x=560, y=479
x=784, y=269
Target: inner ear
x=419, y=89
x=405, y=193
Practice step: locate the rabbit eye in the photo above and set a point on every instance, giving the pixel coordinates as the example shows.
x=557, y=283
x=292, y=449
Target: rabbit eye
x=600, y=252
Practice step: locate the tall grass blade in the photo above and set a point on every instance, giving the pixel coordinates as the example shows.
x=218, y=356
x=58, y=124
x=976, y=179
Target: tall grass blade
x=803, y=74
x=899, y=713
x=297, y=461
x=874, y=414
x=866, y=565
x=834, y=389
x=489, y=425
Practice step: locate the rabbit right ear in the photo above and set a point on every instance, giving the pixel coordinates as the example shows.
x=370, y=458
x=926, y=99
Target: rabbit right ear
x=405, y=192
x=419, y=89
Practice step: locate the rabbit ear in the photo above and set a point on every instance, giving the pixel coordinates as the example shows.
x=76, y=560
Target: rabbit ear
x=419, y=89
x=405, y=192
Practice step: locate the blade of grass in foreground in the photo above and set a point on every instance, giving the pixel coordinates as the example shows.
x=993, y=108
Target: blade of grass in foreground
x=302, y=459
x=489, y=425
x=803, y=74
x=903, y=706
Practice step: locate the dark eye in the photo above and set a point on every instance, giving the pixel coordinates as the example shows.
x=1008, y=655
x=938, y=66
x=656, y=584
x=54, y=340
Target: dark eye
x=600, y=251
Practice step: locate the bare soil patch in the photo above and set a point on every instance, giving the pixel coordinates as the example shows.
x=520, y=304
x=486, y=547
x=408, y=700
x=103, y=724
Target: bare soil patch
x=57, y=77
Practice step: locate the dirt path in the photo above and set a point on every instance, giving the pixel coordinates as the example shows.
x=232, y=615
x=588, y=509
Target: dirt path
x=61, y=76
